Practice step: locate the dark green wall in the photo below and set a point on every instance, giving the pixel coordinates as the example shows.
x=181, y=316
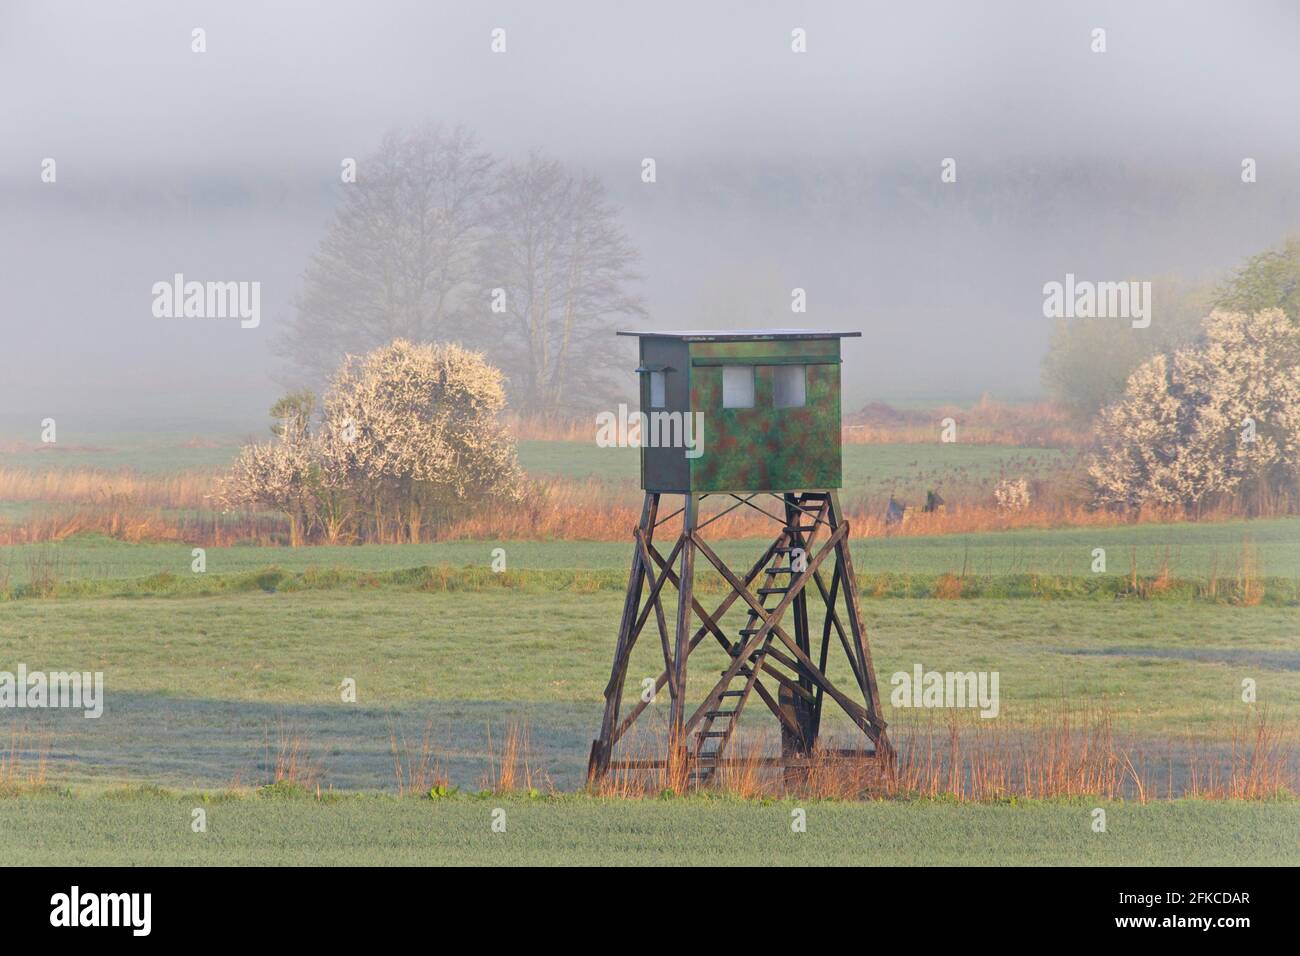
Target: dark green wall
x=666, y=469
x=763, y=448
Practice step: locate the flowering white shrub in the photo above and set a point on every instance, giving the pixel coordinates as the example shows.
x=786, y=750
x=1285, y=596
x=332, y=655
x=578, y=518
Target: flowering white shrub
x=417, y=426
x=1012, y=494
x=1208, y=422
x=409, y=431
x=277, y=474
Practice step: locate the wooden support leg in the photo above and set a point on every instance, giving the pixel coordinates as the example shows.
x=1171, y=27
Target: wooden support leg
x=866, y=669
x=796, y=706
x=600, y=748
x=830, y=621
x=794, y=743
x=682, y=648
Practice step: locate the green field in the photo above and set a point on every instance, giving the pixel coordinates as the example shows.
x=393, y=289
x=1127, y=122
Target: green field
x=908, y=470
x=198, y=688
x=1161, y=662
x=206, y=676
x=145, y=454
x=864, y=465
x=149, y=829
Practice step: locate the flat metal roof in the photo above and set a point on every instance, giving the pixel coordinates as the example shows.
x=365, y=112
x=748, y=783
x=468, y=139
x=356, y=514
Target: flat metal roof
x=741, y=335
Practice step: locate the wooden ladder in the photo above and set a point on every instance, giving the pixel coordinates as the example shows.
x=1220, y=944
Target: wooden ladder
x=705, y=763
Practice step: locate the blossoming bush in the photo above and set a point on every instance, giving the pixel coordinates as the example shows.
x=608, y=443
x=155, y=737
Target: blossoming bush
x=1215, y=423
x=409, y=432
x=1012, y=495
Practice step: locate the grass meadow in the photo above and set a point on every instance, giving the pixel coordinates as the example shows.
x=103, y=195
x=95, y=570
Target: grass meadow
x=223, y=688
x=145, y=828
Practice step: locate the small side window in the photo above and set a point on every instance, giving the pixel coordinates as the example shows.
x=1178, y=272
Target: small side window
x=657, y=399
x=789, y=386
x=737, y=386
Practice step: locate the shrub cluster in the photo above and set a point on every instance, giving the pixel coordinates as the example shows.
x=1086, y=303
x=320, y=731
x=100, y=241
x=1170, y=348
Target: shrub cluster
x=406, y=435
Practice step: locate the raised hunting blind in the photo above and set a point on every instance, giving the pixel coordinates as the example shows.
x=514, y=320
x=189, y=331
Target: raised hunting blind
x=749, y=419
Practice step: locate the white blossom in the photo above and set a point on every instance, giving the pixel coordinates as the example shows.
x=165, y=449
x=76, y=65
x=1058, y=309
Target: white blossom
x=1207, y=421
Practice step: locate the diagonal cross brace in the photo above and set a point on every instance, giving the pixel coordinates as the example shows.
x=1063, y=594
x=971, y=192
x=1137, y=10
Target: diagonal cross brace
x=645, y=613
x=660, y=618
x=770, y=620
x=870, y=723
x=710, y=621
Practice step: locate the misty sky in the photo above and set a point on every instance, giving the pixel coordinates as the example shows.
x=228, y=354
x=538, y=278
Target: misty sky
x=775, y=170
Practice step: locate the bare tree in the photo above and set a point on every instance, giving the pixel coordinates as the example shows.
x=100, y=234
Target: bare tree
x=399, y=258
x=562, y=265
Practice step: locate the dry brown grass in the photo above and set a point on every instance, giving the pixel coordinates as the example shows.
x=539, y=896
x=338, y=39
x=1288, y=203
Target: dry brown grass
x=109, y=489
x=630, y=780
x=1075, y=752
x=986, y=422
x=511, y=769
x=1069, y=752
x=290, y=759
x=590, y=510
x=416, y=765
x=573, y=510
x=19, y=771
x=1145, y=587
x=1248, y=588
x=44, y=571
x=1259, y=767
x=526, y=428
x=132, y=524
x=136, y=508
x=128, y=507
x=949, y=586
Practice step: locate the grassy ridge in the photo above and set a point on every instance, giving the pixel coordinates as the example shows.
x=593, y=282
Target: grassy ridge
x=1272, y=592
x=1190, y=550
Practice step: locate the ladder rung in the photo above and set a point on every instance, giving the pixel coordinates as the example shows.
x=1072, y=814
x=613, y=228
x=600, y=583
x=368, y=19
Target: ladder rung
x=718, y=713
x=713, y=733
x=780, y=570
x=773, y=590
x=731, y=693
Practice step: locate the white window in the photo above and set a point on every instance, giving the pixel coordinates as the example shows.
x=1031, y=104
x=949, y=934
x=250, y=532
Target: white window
x=737, y=386
x=657, y=399
x=789, y=388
